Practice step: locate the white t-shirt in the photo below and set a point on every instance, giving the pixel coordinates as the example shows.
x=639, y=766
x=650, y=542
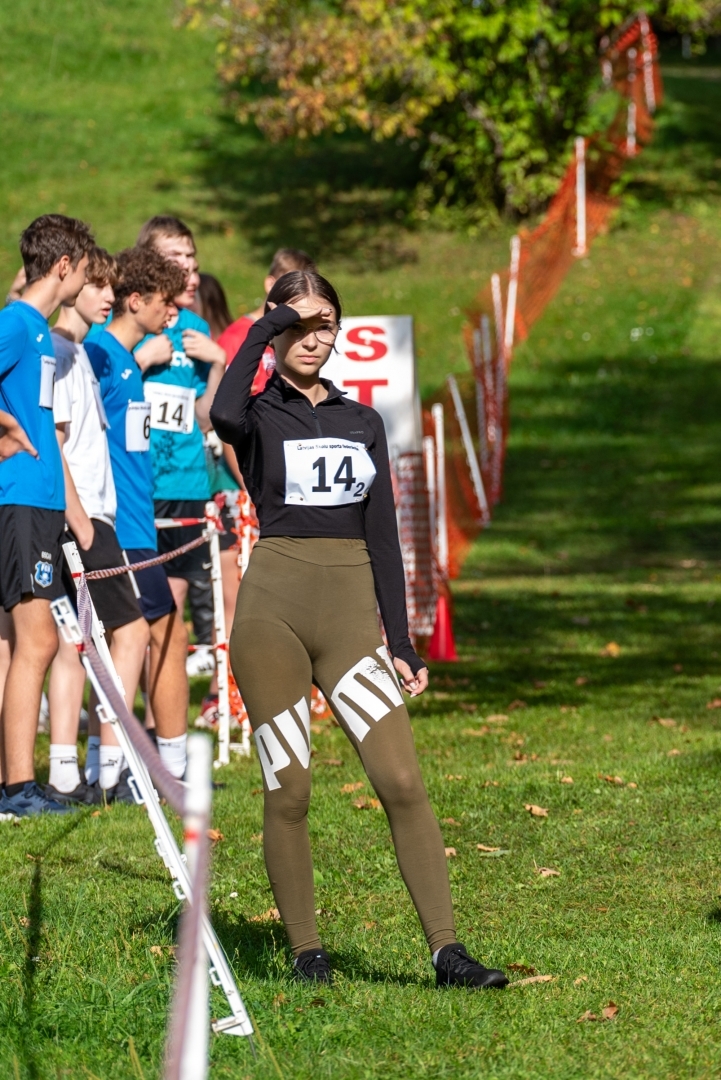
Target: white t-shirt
x=77, y=404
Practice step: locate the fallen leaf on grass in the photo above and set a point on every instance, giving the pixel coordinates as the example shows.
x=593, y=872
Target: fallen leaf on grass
x=673, y=753
x=370, y=925
x=539, y=684
x=536, y=811
x=486, y=783
x=347, y=788
x=492, y=854
x=332, y=761
x=451, y=852
x=215, y=836
x=611, y=779
x=257, y=836
x=95, y=813
x=678, y=668
x=317, y=1003
x=483, y=730
x=608, y=1013
x=468, y=706
x=611, y=649
x=547, y=871
x=533, y=979
x=665, y=721
x=367, y=803
x=451, y=776
x=451, y=821
x=485, y=847
x=24, y=921
x=631, y=784
x=608, y=738
x=257, y=791
x=156, y=950
x=498, y=718
x=566, y=779
x=324, y=913
x=581, y=979
x=278, y=1000
x=581, y=680
x=522, y=969
x=518, y=758
x=715, y=704
x=271, y=915
x=517, y=704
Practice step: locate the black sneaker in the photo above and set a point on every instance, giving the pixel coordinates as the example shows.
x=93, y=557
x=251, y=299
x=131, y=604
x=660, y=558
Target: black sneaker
x=31, y=801
x=83, y=795
x=313, y=965
x=122, y=792
x=454, y=967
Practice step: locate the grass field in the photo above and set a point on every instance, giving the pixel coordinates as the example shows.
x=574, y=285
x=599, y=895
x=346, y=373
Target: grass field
x=592, y=605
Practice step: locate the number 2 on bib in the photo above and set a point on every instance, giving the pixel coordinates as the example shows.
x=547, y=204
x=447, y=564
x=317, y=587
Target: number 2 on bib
x=326, y=472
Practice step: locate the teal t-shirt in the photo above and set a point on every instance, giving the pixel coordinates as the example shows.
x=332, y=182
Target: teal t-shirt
x=178, y=457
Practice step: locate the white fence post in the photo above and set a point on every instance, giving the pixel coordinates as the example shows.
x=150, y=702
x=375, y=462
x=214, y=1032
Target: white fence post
x=441, y=505
x=580, y=248
x=512, y=296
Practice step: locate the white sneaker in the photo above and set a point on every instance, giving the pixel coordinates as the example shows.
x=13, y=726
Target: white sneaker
x=200, y=662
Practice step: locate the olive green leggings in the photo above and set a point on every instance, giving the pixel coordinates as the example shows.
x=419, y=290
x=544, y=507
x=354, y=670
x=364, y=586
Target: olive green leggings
x=307, y=612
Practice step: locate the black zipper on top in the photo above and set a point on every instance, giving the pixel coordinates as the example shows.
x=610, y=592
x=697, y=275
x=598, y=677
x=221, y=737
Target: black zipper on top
x=315, y=417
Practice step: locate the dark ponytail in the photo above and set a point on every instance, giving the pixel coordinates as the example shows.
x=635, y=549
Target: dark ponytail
x=302, y=283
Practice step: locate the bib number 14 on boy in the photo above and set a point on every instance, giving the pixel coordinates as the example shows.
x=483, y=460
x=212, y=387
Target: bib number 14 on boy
x=326, y=472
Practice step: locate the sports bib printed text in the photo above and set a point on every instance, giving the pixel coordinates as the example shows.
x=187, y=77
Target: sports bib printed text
x=47, y=381
x=172, y=407
x=137, y=426
x=326, y=472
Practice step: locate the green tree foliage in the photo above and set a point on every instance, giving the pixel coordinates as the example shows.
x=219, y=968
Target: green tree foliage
x=490, y=90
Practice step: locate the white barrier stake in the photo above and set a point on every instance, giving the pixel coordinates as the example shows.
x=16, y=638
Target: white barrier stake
x=429, y=457
x=498, y=315
x=512, y=296
x=480, y=399
x=238, y=1023
x=648, y=84
x=221, y=642
x=194, y=1059
x=468, y=446
x=631, y=118
x=580, y=248
x=441, y=506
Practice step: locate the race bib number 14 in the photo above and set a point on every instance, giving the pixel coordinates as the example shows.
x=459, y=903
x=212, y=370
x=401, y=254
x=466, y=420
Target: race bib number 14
x=326, y=472
x=172, y=407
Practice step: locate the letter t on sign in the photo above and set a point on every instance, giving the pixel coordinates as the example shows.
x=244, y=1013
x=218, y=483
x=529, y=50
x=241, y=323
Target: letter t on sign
x=365, y=388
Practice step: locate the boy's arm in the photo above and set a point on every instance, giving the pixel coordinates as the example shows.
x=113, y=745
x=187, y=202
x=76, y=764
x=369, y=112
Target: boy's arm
x=200, y=346
x=159, y=350
x=75, y=516
x=13, y=439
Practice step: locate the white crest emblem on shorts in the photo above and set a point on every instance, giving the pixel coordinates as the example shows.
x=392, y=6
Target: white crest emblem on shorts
x=44, y=573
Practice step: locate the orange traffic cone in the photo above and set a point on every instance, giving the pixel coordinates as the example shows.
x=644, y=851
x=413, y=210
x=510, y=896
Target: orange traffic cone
x=442, y=646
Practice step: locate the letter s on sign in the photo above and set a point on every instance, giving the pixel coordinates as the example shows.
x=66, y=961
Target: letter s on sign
x=363, y=336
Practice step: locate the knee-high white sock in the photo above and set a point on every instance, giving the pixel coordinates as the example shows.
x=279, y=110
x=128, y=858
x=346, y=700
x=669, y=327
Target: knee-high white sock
x=111, y=765
x=173, y=754
x=92, y=759
x=64, y=772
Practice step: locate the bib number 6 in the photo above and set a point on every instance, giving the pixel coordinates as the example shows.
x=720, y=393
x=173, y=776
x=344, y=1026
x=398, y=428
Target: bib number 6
x=326, y=472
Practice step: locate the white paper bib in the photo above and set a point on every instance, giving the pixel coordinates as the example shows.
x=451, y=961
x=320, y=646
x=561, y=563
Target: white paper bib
x=326, y=472
x=172, y=407
x=137, y=426
x=47, y=381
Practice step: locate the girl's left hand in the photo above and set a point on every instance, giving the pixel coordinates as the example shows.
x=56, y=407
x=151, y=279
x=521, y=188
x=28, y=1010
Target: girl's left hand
x=412, y=684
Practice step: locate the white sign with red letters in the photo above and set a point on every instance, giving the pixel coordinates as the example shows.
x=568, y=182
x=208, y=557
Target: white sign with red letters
x=374, y=363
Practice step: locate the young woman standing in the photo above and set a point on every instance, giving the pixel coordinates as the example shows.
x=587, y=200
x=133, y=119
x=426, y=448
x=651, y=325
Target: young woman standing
x=316, y=466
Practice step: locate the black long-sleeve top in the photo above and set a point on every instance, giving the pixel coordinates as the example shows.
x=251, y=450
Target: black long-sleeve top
x=257, y=428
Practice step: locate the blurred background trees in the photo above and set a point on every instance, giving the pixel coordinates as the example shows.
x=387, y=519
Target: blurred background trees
x=489, y=92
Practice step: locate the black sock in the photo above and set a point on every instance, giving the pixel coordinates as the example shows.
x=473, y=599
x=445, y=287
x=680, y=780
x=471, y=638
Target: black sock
x=15, y=789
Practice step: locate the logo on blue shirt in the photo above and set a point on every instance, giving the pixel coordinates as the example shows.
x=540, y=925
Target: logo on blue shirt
x=44, y=573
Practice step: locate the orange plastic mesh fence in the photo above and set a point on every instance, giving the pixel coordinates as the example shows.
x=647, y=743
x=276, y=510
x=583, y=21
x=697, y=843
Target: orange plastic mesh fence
x=629, y=64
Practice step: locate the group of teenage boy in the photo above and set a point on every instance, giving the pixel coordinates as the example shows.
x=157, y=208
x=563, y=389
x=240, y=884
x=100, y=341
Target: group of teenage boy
x=104, y=427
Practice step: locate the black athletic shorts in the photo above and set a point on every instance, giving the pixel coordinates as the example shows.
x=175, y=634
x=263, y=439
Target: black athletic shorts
x=195, y=564
x=31, y=555
x=156, y=599
x=114, y=598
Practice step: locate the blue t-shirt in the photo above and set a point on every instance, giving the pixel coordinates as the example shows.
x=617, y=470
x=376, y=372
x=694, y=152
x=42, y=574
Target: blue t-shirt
x=121, y=385
x=179, y=466
x=27, y=374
